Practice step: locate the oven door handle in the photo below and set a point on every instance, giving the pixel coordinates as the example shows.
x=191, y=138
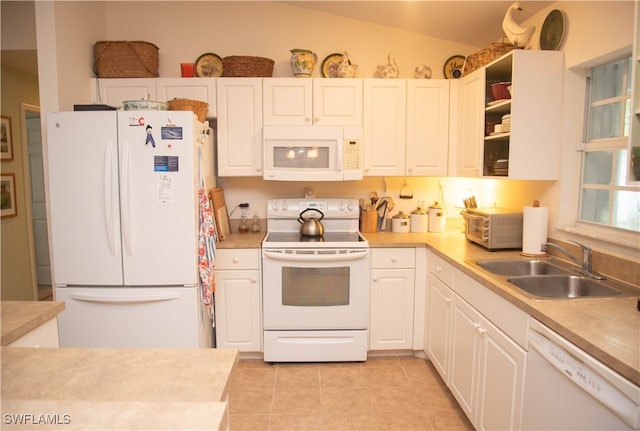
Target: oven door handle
x=313, y=257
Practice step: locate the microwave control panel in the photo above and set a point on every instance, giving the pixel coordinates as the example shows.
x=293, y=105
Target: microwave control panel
x=352, y=154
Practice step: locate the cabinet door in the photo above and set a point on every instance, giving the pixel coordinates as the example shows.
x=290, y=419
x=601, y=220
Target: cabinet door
x=391, y=320
x=287, y=101
x=469, y=124
x=114, y=91
x=465, y=355
x=337, y=102
x=427, y=127
x=238, y=310
x=384, y=130
x=202, y=89
x=501, y=381
x=438, y=331
x=239, y=105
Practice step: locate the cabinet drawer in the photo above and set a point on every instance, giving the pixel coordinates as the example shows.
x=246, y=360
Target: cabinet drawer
x=238, y=258
x=440, y=268
x=393, y=258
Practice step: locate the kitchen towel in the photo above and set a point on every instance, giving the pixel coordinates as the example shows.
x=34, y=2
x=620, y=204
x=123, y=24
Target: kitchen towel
x=534, y=229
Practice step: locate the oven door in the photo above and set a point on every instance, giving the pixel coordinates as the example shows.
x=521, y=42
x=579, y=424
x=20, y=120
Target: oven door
x=315, y=289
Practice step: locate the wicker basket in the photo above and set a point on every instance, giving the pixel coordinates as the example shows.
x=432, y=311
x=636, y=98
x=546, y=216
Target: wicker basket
x=244, y=66
x=486, y=55
x=197, y=107
x=125, y=59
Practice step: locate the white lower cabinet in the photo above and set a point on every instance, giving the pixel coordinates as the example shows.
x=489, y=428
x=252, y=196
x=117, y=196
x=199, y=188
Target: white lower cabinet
x=392, y=298
x=238, y=309
x=481, y=363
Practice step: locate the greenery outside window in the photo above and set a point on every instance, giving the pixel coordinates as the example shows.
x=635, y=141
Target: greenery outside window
x=605, y=197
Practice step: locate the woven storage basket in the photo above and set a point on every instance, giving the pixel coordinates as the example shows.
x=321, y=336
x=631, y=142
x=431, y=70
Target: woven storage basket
x=486, y=55
x=197, y=107
x=244, y=66
x=125, y=59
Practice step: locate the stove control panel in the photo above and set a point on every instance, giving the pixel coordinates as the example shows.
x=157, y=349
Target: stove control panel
x=330, y=207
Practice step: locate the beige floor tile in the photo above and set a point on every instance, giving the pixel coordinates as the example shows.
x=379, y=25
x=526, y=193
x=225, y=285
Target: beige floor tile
x=253, y=378
x=251, y=401
x=343, y=377
x=381, y=394
x=249, y=422
x=297, y=377
x=343, y=400
x=296, y=422
x=296, y=401
x=385, y=376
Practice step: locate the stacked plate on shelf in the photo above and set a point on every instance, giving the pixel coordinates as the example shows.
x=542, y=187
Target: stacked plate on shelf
x=501, y=167
x=506, y=123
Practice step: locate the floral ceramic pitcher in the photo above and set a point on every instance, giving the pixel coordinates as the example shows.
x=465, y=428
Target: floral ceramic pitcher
x=303, y=62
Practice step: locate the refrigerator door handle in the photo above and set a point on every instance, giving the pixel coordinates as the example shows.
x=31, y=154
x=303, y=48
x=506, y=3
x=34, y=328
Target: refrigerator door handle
x=126, y=211
x=115, y=299
x=109, y=202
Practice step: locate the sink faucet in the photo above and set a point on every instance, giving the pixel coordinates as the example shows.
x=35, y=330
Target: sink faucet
x=585, y=263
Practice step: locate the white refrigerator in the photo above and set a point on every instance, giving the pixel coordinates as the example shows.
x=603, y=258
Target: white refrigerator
x=124, y=225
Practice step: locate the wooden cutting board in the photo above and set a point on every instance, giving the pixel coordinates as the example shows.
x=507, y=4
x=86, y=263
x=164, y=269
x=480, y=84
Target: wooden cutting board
x=220, y=213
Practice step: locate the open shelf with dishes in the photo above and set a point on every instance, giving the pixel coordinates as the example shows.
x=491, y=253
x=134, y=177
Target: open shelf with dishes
x=522, y=115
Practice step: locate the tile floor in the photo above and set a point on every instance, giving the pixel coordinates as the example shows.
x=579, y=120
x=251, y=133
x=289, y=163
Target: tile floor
x=390, y=393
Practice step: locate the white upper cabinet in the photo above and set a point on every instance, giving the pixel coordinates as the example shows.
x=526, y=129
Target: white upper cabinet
x=202, y=89
x=316, y=101
x=384, y=130
x=406, y=127
x=114, y=91
x=467, y=123
x=239, y=105
x=427, y=127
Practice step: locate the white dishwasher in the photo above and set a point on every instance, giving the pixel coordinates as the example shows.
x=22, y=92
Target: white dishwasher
x=567, y=389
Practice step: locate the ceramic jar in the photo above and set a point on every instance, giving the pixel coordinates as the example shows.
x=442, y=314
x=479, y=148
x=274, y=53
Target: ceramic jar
x=302, y=62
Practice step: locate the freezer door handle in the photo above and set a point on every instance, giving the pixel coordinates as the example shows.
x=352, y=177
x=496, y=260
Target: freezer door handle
x=126, y=210
x=109, y=202
x=124, y=299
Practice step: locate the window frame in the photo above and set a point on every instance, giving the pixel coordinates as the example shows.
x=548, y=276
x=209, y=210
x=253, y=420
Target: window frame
x=614, y=144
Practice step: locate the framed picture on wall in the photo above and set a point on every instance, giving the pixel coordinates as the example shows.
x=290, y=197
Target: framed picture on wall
x=6, y=140
x=8, y=195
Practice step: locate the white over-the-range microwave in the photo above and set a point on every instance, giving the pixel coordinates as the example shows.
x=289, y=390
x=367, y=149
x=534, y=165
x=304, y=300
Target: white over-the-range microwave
x=312, y=153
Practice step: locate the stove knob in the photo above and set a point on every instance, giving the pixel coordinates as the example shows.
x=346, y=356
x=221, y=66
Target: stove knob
x=350, y=206
x=275, y=206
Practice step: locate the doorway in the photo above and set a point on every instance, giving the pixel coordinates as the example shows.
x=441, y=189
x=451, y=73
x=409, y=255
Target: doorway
x=36, y=204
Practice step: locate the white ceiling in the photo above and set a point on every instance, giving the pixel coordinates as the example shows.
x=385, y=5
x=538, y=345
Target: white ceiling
x=470, y=22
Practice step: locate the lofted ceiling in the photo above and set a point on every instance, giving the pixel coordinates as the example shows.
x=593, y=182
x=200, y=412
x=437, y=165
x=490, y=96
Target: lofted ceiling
x=470, y=22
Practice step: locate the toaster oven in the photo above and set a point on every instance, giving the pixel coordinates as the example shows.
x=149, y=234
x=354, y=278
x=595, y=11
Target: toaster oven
x=494, y=228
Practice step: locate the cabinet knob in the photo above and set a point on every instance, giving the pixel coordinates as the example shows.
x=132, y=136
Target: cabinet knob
x=375, y=278
x=447, y=300
x=438, y=268
x=481, y=331
x=253, y=280
x=394, y=259
x=236, y=259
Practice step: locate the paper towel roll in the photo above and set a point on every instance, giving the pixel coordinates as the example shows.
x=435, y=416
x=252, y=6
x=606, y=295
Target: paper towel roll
x=534, y=229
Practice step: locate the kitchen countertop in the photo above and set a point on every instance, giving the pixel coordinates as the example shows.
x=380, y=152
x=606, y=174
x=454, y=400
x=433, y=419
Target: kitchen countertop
x=606, y=328
x=130, y=381
x=22, y=317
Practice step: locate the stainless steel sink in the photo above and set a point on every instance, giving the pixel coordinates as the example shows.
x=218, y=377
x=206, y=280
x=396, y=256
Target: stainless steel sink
x=520, y=267
x=563, y=286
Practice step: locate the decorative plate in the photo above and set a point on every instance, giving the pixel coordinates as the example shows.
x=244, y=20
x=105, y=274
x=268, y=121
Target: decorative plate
x=552, y=32
x=209, y=65
x=453, y=67
x=330, y=65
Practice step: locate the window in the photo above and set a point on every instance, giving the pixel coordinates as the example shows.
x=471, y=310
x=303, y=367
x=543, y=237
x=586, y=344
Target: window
x=605, y=197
